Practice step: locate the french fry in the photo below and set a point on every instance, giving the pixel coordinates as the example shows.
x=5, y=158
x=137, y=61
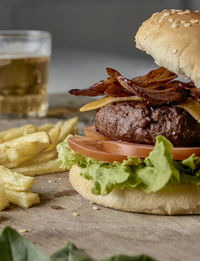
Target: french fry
x=15, y=181
x=68, y=127
x=48, y=167
x=41, y=137
x=29, y=151
x=17, y=132
x=4, y=203
x=45, y=127
x=17, y=151
x=42, y=157
x=22, y=199
x=53, y=134
x=16, y=188
x=58, y=124
x=14, y=160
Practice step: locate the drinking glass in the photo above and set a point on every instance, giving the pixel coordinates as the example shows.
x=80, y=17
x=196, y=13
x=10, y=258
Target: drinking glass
x=24, y=64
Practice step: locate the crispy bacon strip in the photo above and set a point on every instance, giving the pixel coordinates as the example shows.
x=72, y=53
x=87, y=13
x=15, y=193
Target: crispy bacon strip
x=195, y=94
x=159, y=75
x=171, y=93
x=155, y=88
x=96, y=89
x=101, y=87
x=112, y=73
x=116, y=90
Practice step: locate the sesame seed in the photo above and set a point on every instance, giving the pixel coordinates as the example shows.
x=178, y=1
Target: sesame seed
x=171, y=20
x=49, y=181
x=54, y=228
x=95, y=208
x=145, y=37
x=181, y=13
x=194, y=21
x=173, y=10
x=187, y=25
x=187, y=11
x=175, y=25
x=196, y=11
x=182, y=21
x=166, y=14
x=174, y=51
x=75, y=214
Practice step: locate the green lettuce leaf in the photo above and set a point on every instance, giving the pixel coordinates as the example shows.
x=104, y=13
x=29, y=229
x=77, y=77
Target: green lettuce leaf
x=68, y=157
x=72, y=253
x=150, y=175
x=191, y=163
x=159, y=167
x=130, y=258
x=13, y=247
x=189, y=170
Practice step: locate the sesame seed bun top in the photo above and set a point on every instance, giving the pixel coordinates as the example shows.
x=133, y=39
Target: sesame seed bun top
x=172, y=38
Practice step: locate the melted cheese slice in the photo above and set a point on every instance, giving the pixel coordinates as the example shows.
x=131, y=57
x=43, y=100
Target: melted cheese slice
x=192, y=107
x=189, y=105
x=104, y=101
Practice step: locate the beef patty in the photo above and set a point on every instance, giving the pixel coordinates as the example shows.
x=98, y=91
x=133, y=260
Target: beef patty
x=133, y=122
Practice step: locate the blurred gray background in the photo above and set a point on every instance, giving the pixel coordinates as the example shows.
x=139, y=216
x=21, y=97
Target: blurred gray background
x=88, y=35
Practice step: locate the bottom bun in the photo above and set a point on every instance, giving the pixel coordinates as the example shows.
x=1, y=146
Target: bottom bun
x=173, y=200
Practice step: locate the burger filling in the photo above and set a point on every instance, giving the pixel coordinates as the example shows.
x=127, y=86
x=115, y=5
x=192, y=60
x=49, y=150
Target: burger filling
x=150, y=109
x=134, y=122
x=151, y=174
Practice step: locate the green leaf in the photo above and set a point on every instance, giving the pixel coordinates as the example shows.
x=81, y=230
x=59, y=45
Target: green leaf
x=191, y=163
x=159, y=169
x=105, y=176
x=13, y=247
x=72, y=253
x=189, y=170
x=67, y=157
x=130, y=258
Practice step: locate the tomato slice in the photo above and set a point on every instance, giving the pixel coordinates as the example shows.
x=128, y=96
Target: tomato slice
x=125, y=149
x=93, y=134
x=143, y=150
x=128, y=149
x=122, y=148
x=181, y=153
x=93, y=149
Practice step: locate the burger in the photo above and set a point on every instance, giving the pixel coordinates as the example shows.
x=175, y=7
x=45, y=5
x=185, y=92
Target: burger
x=143, y=153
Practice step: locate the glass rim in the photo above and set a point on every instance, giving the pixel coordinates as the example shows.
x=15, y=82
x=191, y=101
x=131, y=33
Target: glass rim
x=24, y=33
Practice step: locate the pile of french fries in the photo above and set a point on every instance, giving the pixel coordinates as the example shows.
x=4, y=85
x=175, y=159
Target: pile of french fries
x=29, y=151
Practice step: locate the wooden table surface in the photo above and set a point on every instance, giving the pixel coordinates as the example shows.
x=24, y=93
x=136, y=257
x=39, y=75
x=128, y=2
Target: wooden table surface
x=102, y=232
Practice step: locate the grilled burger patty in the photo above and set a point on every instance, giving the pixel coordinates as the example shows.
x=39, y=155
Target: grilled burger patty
x=133, y=122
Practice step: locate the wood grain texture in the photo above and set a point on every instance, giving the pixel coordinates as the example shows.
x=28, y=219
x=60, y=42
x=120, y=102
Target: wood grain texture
x=102, y=232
